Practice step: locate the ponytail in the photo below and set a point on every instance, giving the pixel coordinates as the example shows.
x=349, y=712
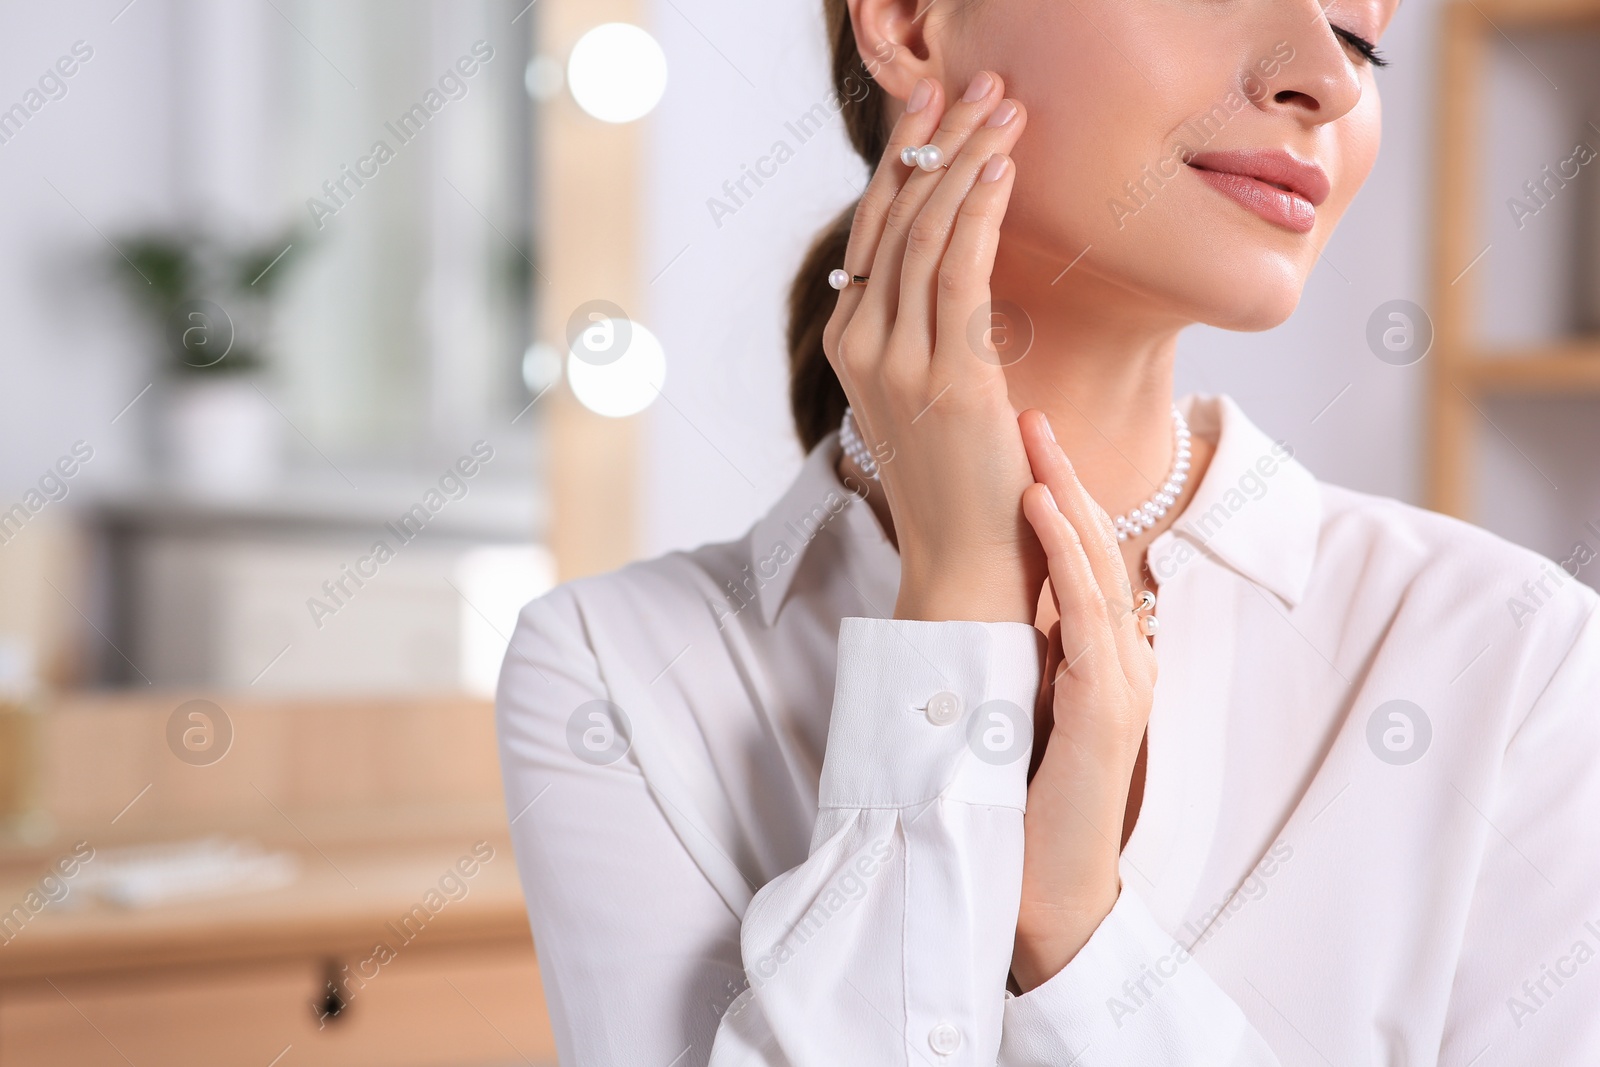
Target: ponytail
x=816, y=399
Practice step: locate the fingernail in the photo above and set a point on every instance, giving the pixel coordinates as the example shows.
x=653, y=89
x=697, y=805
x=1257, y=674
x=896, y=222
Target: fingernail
x=979, y=88
x=1050, y=431
x=993, y=169
x=1002, y=114
x=920, y=95
x=1050, y=498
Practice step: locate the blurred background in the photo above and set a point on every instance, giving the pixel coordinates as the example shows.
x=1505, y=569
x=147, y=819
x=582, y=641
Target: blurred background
x=333, y=332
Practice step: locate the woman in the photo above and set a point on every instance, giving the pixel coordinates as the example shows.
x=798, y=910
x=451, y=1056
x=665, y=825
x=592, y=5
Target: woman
x=830, y=795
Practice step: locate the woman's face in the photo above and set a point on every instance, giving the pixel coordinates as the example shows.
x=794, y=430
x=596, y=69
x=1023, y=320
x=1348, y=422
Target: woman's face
x=1158, y=131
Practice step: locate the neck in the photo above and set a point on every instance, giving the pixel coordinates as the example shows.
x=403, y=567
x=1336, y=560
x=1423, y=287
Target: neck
x=1100, y=371
x=1101, y=368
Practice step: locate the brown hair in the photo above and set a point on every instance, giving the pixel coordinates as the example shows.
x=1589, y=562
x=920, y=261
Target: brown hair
x=816, y=399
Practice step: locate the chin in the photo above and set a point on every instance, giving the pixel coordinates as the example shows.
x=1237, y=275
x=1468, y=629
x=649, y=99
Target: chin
x=1253, y=291
x=1207, y=261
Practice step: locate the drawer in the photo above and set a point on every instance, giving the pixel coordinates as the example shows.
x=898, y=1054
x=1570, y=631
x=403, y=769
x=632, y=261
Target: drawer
x=455, y=1007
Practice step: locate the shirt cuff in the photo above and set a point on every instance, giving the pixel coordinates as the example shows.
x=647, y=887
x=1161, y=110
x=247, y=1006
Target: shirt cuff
x=929, y=709
x=1132, y=994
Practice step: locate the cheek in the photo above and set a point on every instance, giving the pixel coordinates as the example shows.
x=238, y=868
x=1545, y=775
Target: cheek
x=1101, y=108
x=1358, y=136
x=1088, y=131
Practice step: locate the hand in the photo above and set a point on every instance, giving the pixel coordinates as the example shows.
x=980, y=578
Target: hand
x=1101, y=672
x=900, y=346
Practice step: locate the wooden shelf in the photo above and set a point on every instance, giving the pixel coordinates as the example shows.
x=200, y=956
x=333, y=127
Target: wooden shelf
x=1573, y=367
x=1463, y=366
x=1536, y=14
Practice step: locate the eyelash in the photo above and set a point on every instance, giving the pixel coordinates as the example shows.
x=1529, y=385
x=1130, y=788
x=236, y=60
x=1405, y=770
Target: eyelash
x=1365, y=48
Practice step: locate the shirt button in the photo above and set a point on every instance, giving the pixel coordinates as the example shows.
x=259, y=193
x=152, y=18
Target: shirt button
x=944, y=709
x=944, y=1039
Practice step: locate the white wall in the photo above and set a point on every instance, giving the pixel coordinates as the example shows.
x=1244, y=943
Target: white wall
x=722, y=450
x=86, y=162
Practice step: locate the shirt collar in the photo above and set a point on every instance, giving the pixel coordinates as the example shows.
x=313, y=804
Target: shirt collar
x=816, y=502
x=1257, y=511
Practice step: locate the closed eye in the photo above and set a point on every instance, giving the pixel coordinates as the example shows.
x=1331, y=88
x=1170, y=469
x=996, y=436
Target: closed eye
x=1363, y=47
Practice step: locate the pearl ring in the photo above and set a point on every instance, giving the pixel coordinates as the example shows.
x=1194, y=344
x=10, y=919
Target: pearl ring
x=929, y=157
x=840, y=278
x=1145, y=612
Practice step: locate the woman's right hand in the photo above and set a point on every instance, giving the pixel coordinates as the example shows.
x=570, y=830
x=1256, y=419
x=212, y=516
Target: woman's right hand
x=909, y=349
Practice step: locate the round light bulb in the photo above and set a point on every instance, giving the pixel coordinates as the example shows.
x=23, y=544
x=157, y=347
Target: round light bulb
x=617, y=72
x=625, y=386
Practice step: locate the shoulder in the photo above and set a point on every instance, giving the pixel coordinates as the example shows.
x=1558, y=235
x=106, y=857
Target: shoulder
x=634, y=609
x=1439, y=547
x=1450, y=579
x=706, y=595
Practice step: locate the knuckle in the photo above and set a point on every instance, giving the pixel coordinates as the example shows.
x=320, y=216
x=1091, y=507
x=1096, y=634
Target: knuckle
x=953, y=275
x=927, y=232
x=1070, y=532
x=830, y=339
x=872, y=205
x=903, y=212
x=852, y=350
x=1149, y=670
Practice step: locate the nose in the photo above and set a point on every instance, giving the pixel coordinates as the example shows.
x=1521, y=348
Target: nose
x=1315, y=79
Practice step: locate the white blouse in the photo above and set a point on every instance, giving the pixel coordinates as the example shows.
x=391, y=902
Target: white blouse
x=760, y=822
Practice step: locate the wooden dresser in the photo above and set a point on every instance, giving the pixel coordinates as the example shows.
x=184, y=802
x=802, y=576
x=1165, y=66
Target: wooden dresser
x=384, y=807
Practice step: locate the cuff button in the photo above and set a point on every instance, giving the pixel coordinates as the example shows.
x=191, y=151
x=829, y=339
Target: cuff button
x=944, y=1039
x=944, y=709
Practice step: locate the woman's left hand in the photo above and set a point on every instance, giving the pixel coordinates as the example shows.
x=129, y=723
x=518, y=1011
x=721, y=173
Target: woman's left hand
x=1103, y=671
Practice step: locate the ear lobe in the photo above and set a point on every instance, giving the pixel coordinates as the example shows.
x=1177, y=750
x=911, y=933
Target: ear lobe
x=892, y=39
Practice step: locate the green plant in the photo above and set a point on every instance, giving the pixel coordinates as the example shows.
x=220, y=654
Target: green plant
x=209, y=300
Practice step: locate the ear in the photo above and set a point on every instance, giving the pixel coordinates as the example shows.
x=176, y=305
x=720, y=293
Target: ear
x=896, y=44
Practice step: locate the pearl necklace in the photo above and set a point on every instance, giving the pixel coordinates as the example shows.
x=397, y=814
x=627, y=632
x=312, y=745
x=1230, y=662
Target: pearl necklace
x=1132, y=524
x=855, y=448
x=1145, y=515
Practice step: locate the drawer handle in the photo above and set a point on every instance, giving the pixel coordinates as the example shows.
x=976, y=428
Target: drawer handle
x=329, y=1004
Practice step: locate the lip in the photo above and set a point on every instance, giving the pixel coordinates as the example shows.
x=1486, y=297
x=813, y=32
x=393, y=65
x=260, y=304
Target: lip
x=1270, y=182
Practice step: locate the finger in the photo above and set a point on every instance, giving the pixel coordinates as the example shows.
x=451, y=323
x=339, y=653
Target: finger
x=1086, y=637
x=929, y=240
x=913, y=128
x=1094, y=529
x=965, y=269
x=960, y=120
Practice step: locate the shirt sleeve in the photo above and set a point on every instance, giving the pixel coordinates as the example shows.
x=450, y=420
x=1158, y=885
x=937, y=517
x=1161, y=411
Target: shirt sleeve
x=892, y=942
x=638, y=953
x=1083, y=1015
x=1527, y=987
x=889, y=944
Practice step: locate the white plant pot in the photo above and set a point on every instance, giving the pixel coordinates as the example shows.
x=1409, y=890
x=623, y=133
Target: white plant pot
x=222, y=437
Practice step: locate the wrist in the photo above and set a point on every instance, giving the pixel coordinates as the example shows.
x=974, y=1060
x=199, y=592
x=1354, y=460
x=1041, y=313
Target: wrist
x=1050, y=938
x=938, y=594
